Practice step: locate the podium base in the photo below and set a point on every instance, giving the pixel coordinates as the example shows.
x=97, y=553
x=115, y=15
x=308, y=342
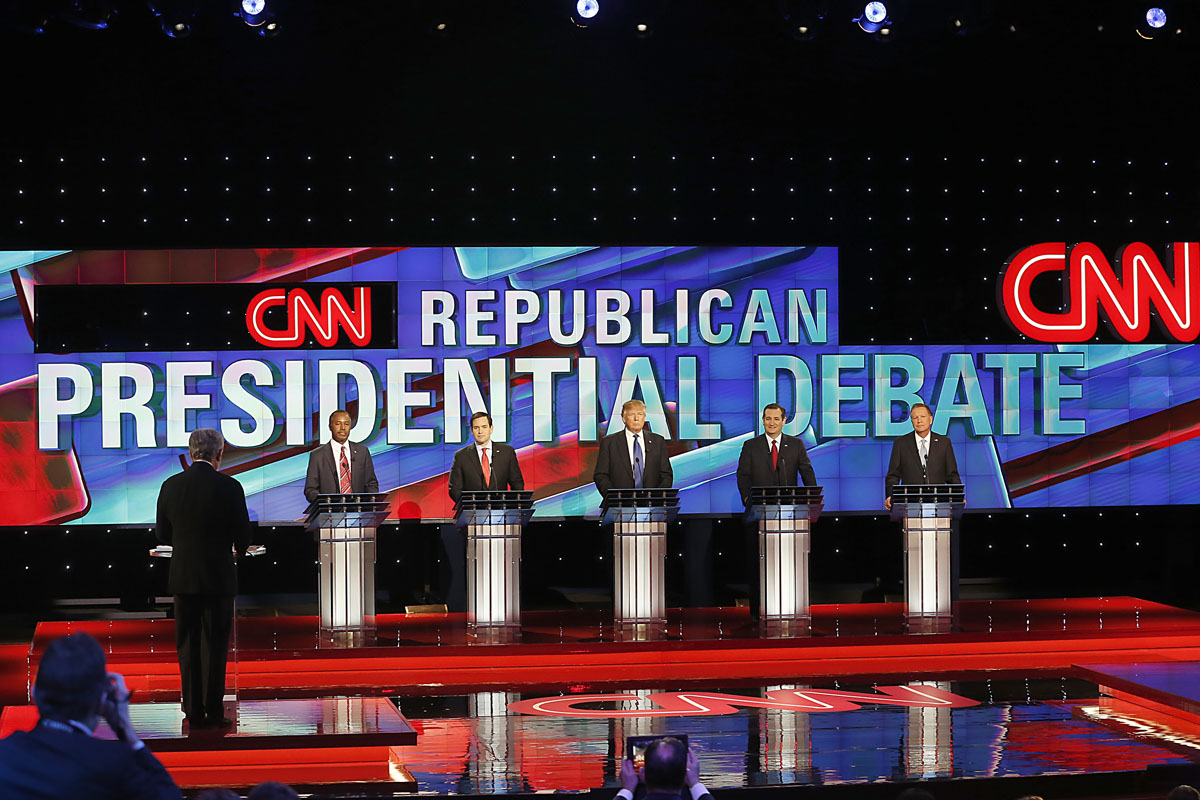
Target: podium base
x=338, y=639
x=929, y=623
x=655, y=631
x=493, y=634
x=797, y=628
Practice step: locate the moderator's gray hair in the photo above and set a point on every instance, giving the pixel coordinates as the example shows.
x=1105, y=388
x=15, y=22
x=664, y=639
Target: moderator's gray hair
x=205, y=444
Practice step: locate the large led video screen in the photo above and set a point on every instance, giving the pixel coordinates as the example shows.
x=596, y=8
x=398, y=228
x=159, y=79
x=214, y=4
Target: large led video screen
x=110, y=359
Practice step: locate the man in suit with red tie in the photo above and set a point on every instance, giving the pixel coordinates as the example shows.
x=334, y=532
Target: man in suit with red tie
x=342, y=466
x=633, y=458
x=773, y=459
x=484, y=464
x=922, y=457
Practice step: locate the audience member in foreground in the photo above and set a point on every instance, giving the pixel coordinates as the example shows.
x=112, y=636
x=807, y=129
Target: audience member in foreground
x=1183, y=792
x=61, y=757
x=914, y=793
x=670, y=766
x=272, y=790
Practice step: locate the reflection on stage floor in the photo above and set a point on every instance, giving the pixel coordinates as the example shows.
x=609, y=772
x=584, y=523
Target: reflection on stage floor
x=479, y=744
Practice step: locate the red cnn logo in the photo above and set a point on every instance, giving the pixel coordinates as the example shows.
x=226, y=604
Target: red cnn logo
x=1090, y=286
x=322, y=319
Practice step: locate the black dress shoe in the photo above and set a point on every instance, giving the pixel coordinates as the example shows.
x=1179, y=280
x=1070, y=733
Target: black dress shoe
x=218, y=722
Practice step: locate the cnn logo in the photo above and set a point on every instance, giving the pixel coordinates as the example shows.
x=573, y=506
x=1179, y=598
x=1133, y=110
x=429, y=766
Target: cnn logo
x=324, y=319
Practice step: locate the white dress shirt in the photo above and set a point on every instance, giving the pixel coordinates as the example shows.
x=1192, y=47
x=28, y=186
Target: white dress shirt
x=480, y=449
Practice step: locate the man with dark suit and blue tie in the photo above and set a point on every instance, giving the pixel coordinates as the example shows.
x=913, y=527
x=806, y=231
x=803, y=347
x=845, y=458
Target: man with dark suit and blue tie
x=922, y=457
x=341, y=467
x=773, y=459
x=633, y=458
x=484, y=464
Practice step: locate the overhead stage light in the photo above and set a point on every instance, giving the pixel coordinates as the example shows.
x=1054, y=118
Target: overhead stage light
x=874, y=17
x=1154, y=24
x=253, y=12
x=585, y=12
x=175, y=17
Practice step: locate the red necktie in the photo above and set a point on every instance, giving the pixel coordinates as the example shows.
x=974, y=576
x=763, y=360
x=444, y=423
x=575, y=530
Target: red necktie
x=344, y=468
x=774, y=455
x=487, y=468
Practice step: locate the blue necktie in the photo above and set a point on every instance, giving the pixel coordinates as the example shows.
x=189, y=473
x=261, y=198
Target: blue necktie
x=638, y=469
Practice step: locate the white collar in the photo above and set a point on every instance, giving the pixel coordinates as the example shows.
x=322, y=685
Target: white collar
x=487, y=446
x=778, y=438
x=928, y=437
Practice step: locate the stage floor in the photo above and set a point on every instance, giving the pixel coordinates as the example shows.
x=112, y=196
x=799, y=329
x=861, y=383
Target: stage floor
x=1002, y=694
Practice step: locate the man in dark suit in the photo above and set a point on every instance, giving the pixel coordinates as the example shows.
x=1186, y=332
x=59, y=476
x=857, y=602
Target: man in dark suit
x=922, y=457
x=342, y=466
x=60, y=757
x=633, y=458
x=670, y=767
x=773, y=459
x=202, y=515
x=484, y=464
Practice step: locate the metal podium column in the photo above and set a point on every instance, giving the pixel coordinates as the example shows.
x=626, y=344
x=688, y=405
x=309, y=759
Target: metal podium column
x=494, y=573
x=928, y=514
x=927, y=563
x=784, y=543
x=346, y=594
x=344, y=525
x=785, y=515
x=639, y=518
x=493, y=521
x=639, y=562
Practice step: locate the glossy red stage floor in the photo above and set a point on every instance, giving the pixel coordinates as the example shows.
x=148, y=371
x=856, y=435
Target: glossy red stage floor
x=1001, y=694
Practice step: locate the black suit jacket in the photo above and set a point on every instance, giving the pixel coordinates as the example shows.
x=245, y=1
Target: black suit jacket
x=466, y=473
x=202, y=515
x=45, y=764
x=323, y=477
x=614, y=470
x=905, y=464
x=754, y=465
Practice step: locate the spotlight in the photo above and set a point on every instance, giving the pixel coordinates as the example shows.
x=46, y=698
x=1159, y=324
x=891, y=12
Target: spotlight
x=585, y=12
x=175, y=17
x=252, y=12
x=803, y=18
x=1154, y=23
x=874, y=17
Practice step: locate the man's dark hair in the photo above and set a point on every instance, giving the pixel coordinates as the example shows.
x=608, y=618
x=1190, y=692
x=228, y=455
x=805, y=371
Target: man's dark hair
x=218, y=794
x=914, y=407
x=666, y=765
x=1183, y=792
x=272, y=790
x=781, y=409
x=333, y=414
x=479, y=414
x=71, y=677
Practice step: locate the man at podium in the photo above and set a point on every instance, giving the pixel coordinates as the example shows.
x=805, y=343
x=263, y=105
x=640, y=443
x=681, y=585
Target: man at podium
x=634, y=458
x=341, y=467
x=922, y=457
x=773, y=459
x=484, y=464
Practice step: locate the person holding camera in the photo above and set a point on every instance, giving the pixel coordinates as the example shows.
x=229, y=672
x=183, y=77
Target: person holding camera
x=61, y=757
x=671, y=766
